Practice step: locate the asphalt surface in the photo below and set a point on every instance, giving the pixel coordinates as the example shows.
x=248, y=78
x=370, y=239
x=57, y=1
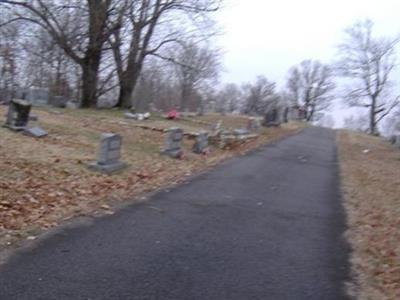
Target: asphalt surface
x=267, y=225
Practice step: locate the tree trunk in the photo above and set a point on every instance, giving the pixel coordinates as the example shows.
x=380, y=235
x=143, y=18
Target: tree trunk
x=310, y=112
x=126, y=88
x=127, y=85
x=185, y=96
x=90, y=71
x=372, y=120
x=125, y=94
x=372, y=124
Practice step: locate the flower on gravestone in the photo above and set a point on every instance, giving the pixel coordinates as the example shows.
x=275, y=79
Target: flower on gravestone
x=173, y=114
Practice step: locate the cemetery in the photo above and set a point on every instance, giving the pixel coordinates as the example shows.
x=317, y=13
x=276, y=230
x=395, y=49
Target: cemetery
x=92, y=159
x=132, y=109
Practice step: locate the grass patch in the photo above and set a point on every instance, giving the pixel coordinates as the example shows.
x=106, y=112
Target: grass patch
x=370, y=170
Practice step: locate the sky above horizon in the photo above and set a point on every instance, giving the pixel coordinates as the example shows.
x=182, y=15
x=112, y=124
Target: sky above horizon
x=268, y=37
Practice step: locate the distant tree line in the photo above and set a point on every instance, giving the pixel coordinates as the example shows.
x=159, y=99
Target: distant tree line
x=160, y=54
x=98, y=48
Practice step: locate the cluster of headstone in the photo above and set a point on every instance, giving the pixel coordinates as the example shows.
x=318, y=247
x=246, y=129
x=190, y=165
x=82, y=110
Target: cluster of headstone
x=254, y=124
x=231, y=138
x=173, y=143
x=41, y=97
x=18, y=117
x=108, y=160
x=277, y=115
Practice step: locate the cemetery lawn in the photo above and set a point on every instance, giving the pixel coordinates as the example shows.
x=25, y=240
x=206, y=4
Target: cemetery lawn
x=370, y=169
x=45, y=182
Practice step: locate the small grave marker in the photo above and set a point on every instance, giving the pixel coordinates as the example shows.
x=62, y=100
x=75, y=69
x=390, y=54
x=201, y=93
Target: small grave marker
x=173, y=147
x=35, y=132
x=201, y=144
x=254, y=124
x=396, y=140
x=18, y=114
x=272, y=118
x=109, y=154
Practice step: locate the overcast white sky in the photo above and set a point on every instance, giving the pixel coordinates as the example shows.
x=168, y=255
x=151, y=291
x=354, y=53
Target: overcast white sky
x=268, y=37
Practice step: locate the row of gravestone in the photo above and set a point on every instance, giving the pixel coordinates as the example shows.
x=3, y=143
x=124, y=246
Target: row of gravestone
x=109, y=155
x=173, y=143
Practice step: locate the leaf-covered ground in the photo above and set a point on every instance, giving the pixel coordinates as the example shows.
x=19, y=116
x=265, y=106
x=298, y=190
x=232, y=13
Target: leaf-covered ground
x=371, y=181
x=44, y=182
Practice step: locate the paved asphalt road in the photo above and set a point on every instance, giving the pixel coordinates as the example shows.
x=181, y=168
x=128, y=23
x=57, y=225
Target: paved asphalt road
x=267, y=225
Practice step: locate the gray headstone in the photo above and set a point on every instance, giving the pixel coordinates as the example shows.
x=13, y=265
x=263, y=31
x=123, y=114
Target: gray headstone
x=173, y=143
x=254, y=124
x=240, y=131
x=10, y=114
x=59, y=101
x=272, y=118
x=201, y=144
x=18, y=114
x=397, y=141
x=35, y=132
x=110, y=148
x=72, y=104
x=109, y=154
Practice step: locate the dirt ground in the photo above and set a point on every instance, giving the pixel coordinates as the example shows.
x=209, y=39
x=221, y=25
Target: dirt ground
x=45, y=182
x=370, y=170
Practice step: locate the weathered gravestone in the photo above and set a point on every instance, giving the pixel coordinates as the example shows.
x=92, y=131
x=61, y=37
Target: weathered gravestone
x=395, y=140
x=254, y=124
x=18, y=117
x=109, y=154
x=58, y=101
x=18, y=114
x=201, y=144
x=272, y=118
x=217, y=127
x=240, y=131
x=173, y=143
x=35, y=132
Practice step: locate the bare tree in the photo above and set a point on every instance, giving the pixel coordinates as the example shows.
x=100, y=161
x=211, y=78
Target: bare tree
x=8, y=61
x=155, y=89
x=194, y=66
x=80, y=29
x=260, y=96
x=310, y=84
x=229, y=98
x=47, y=66
x=368, y=61
x=148, y=28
